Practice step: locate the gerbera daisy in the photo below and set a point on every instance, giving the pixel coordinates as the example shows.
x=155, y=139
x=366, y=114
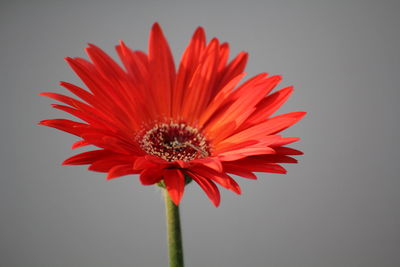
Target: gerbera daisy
x=173, y=125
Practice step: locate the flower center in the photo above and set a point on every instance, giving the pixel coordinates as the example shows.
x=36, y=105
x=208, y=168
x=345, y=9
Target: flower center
x=175, y=141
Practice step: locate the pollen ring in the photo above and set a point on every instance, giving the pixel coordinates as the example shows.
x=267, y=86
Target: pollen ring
x=175, y=141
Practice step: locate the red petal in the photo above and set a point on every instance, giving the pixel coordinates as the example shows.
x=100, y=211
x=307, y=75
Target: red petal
x=175, y=183
x=115, y=74
x=284, y=141
x=223, y=59
x=217, y=101
x=81, y=93
x=287, y=151
x=64, y=99
x=162, y=69
x=281, y=122
x=245, y=152
x=79, y=143
x=116, y=144
x=87, y=73
x=151, y=176
x=277, y=158
x=210, y=162
x=187, y=67
x=68, y=126
x=209, y=188
x=85, y=116
x=221, y=178
x=142, y=163
x=105, y=64
x=274, y=101
x=108, y=162
x=235, y=67
x=247, y=96
x=121, y=111
x=240, y=171
x=136, y=63
x=198, y=92
x=256, y=164
x=87, y=157
x=104, y=165
x=229, y=146
x=120, y=170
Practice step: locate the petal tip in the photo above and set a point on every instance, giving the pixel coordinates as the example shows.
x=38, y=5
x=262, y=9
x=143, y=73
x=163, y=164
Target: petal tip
x=175, y=201
x=110, y=177
x=44, y=122
x=156, y=28
x=302, y=114
x=199, y=32
x=238, y=190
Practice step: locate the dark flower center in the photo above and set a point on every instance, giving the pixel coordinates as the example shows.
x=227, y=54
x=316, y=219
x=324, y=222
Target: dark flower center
x=175, y=141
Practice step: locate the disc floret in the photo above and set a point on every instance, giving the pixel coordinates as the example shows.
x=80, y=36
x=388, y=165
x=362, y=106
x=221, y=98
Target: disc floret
x=175, y=141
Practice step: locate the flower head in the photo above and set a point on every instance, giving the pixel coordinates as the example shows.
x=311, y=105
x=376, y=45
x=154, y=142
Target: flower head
x=172, y=125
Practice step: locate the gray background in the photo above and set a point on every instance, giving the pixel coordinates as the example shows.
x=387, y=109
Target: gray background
x=338, y=207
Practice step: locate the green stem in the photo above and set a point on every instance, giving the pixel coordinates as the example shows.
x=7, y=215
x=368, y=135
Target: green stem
x=175, y=249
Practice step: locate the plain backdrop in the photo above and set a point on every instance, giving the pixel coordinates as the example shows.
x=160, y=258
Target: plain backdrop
x=338, y=207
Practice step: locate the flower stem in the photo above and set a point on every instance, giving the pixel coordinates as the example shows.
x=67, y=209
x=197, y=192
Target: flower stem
x=175, y=249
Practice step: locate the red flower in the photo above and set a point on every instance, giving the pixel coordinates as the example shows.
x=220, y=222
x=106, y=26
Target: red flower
x=170, y=126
